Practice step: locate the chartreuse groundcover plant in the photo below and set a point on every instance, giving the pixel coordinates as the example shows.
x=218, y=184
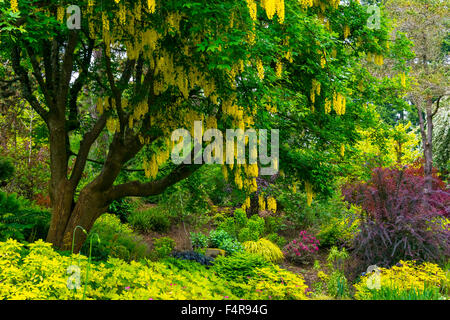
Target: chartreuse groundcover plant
x=407, y=280
x=38, y=272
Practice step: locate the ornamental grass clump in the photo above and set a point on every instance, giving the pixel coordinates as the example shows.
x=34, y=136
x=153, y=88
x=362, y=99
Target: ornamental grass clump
x=303, y=249
x=265, y=248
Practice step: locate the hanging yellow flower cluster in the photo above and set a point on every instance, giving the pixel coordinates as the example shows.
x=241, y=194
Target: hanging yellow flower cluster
x=252, y=8
x=271, y=108
x=315, y=89
x=140, y=109
x=173, y=20
x=270, y=6
x=339, y=103
x=306, y=3
x=251, y=37
x=105, y=33
x=252, y=186
x=322, y=6
x=211, y=122
x=122, y=13
x=112, y=125
x=245, y=174
x=90, y=9
x=150, y=167
x=260, y=68
x=151, y=5
x=288, y=56
x=375, y=58
x=238, y=178
x=294, y=188
x=309, y=193
x=327, y=106
x=149, y=40
x=346, y=31
x=233, y=72
x=261, y=202
x=163, y=155
x=280, y=10
x=60, y=12
x=279, y=69
x=323, y=61
x=403, y=79
x=103, y=104
x=225, y=172
x=228, y=108
x=121, y=25
x=252, y=170
x=246, y=204
x=271, y=204
x=138, y=11
x=158, y=158
x=334, y=3
x=14, y=6
x=342, y=150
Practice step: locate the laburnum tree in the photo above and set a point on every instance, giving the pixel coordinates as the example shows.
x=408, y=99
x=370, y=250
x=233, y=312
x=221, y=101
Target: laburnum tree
x=154, y=66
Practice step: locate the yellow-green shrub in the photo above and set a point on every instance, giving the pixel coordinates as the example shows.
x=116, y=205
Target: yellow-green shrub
x=272, y=283
x=270, y=251
x=37, y=272
x=338, y=231
x=276, y=283
x=407, y=278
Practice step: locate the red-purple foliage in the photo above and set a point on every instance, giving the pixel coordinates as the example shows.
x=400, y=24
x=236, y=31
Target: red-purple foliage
x=400, y=221
x=301, y=249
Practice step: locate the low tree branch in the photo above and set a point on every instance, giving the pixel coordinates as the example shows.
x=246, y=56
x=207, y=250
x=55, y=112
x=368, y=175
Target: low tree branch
x=139, y=189
x=85, y=147
x=27, y=90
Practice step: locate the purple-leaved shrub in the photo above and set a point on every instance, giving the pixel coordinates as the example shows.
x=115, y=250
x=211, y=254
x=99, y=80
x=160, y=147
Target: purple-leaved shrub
x=399, y=220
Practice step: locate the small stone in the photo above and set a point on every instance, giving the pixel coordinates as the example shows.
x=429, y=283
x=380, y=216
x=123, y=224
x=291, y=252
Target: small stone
x=213, y=252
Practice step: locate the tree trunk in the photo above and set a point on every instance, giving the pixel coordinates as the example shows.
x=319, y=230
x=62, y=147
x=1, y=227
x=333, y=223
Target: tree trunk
x=66, y=213
x=61, y=202
x=427, y=142
x=428, y=150
x=89, y=206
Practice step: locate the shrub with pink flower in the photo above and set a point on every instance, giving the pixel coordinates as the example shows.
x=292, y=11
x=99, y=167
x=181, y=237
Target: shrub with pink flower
x=302, y=249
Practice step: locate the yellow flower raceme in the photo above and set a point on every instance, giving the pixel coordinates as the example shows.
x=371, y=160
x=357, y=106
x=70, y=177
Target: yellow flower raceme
x=252, y=8
x=14, y=6
x=151, y=5
x=309, y=193
x=346, y=31
x=260, y=68
x=271, y=204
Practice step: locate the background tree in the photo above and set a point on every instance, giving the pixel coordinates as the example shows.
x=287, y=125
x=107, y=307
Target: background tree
x=425, y=23
x=153, y=67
